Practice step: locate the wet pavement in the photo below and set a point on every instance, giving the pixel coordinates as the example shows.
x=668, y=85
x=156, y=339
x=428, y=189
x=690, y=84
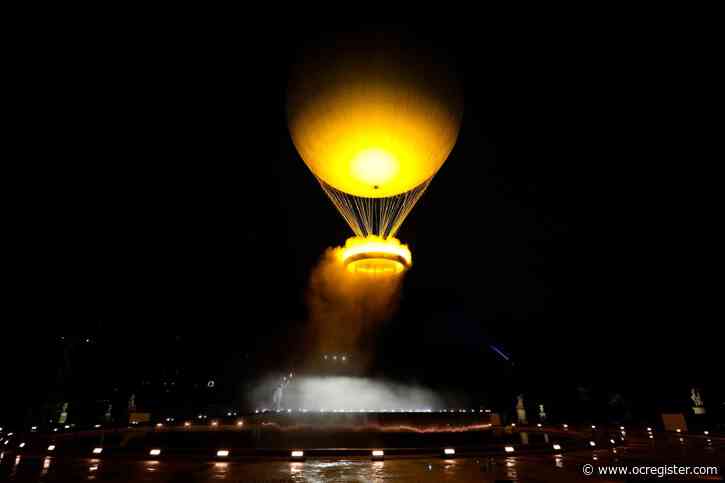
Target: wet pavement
x=564, y=467
x=353, y=470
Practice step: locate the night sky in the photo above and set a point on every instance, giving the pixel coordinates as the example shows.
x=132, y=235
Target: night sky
x=155, y=190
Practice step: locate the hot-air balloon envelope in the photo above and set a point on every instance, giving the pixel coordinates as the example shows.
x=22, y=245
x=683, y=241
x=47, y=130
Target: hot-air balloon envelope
x=374, y=120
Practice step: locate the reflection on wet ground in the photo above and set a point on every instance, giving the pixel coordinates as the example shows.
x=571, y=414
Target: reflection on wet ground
x=563, y=467
x=353, y=470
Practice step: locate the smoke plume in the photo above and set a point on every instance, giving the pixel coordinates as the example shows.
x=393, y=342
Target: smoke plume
x=345, y=307
x=348, y=393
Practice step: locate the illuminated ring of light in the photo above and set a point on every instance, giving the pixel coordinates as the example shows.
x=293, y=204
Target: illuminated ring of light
x=384, y=258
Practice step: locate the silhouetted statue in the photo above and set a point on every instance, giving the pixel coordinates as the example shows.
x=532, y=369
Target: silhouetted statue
x=63, y=417
x=699, y=406
x=521, y=410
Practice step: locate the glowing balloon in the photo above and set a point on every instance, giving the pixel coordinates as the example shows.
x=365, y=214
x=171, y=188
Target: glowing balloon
x=374, y=129
x=374, y=122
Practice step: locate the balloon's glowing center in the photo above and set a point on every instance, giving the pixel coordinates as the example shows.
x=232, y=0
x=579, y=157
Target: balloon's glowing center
x=374, y=167
x=375, y=255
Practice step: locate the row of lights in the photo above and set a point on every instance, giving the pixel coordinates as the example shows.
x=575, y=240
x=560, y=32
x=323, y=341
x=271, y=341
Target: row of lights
x=343, y=358
x=99, y=426
x=379, y=454
x=651, y=436
x=621, y=428
x=299, y=454
x=257, y=411
x=376, y=454
x=303, y=410
x=213, y=424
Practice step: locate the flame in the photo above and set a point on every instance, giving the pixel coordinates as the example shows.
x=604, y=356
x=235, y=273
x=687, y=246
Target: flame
x=389, y=428
x=374, y=254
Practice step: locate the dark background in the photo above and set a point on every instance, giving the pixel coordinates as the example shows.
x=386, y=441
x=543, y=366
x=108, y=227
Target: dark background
x=152, y=189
